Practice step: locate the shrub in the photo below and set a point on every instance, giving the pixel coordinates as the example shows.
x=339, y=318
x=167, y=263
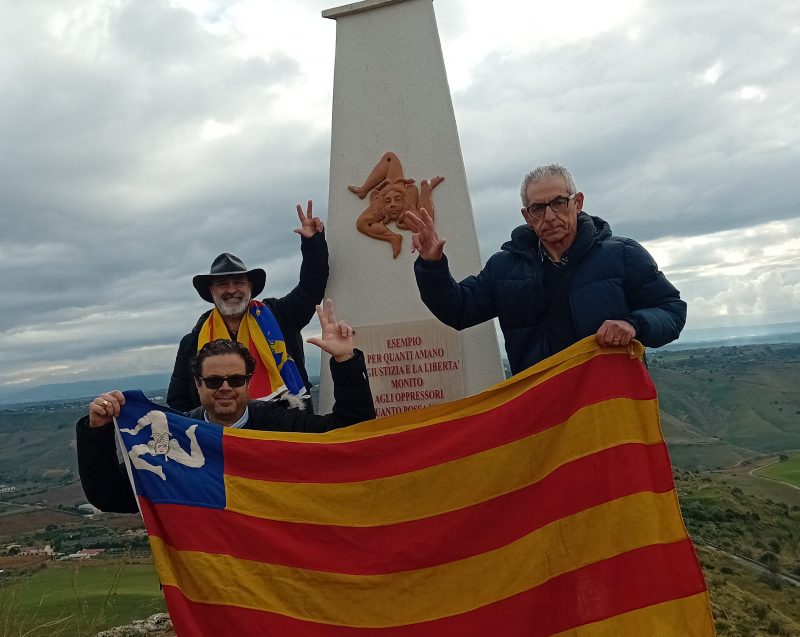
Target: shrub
x=771, y=580
x=768, y=558
x=761, y=611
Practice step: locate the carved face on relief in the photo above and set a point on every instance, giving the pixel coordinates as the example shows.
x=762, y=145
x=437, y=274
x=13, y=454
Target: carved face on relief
x=394, y=201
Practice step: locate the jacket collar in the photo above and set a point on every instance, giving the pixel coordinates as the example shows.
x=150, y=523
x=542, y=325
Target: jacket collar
x=590, y=230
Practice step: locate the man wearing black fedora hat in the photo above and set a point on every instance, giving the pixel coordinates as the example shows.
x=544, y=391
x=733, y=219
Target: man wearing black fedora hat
x=270, y=328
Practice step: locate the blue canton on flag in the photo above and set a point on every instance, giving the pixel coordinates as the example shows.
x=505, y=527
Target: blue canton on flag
x=173, y=459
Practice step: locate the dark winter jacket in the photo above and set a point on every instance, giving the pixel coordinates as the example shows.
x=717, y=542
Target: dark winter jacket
x=612, y=278
x=293, y=312
x=105, y=481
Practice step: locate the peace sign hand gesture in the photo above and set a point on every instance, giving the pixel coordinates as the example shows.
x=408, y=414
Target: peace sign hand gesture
x=309, y=224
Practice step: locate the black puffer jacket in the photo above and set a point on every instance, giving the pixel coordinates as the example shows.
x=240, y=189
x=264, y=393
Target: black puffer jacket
x=293, y=312
x=105, y=481
x=614, y=278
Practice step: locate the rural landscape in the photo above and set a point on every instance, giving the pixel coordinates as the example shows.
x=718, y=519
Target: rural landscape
x=731, y=417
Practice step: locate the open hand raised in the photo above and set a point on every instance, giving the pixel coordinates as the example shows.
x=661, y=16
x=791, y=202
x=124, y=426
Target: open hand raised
x=337, y=336
x=425, y=239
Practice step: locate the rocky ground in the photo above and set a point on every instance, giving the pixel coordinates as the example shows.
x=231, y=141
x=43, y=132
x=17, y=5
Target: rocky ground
x=158, y=625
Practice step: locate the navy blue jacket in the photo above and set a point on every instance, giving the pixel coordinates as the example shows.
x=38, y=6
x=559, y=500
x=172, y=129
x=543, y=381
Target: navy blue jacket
x=614, y=278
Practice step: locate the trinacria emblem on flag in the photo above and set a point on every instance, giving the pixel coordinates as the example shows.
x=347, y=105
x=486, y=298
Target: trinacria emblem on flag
x=162, y=443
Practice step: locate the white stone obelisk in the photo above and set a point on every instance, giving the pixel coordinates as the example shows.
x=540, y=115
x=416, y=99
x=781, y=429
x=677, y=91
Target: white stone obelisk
x=390, y=94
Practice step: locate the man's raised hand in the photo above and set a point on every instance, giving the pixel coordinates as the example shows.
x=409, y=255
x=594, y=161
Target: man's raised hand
x=309, y=224
x=425, y=239
x=337, y=336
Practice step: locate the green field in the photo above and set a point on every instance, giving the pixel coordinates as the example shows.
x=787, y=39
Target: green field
x=79, y=599
x=786, y=471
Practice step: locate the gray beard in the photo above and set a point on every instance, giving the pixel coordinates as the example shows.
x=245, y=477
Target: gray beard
x=230, y=309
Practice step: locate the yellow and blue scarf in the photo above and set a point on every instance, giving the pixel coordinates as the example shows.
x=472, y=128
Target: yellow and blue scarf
x=275, y=372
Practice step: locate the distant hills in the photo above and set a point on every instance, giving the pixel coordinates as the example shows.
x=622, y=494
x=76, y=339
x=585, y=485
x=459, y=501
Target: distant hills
x=704, y=337
x=719, y=407
x=697, y=338
x=83, y=389
x=722, y=405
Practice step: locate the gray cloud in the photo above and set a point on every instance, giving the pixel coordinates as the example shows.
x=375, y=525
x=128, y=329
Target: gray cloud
x=658, y=151
x=139, y=143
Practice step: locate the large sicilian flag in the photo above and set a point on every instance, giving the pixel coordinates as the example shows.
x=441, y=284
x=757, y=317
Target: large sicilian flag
x=543, y=506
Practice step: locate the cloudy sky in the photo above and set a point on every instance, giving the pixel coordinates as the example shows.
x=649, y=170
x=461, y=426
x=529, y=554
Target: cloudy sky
x=140, y=138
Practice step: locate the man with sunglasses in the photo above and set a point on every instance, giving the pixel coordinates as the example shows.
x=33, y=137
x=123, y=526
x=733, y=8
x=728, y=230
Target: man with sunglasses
x=562, y=276
x=222, y=371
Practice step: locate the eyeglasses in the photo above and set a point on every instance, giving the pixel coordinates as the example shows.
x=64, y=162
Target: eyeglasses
x=221, y=282
x=559, y=204
x=235, y=380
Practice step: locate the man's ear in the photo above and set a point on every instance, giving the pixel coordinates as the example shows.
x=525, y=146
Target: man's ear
x=524, y=212
x=579, y=201
x=197, y=383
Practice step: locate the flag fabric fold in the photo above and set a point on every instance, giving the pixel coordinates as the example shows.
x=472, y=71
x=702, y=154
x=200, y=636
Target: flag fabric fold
x=543, y=506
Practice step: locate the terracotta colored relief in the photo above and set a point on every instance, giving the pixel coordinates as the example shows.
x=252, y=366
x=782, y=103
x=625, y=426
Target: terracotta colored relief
x=390, y=195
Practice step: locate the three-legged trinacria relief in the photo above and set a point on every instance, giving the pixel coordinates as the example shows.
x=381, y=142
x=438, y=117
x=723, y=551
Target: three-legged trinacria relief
x=390, y=195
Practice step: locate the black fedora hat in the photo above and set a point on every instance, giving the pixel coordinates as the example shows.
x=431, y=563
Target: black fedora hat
x=226, y=265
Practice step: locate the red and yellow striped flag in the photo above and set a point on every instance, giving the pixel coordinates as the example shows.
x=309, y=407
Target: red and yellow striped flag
x=543, y=506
